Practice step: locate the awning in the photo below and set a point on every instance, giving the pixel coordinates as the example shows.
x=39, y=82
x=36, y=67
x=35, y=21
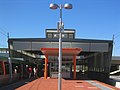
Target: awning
x=65, y=51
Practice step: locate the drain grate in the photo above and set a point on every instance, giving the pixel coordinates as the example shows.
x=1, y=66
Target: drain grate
x=78, y=82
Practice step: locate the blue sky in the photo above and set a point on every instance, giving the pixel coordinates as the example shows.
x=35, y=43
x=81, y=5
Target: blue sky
x=93, y=19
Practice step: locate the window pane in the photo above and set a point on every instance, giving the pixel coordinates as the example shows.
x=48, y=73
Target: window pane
x=64, y=35
x=56, y=35
x=49, y=35
x=70, y=35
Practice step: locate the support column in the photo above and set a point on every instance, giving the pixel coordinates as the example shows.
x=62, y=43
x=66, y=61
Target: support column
x=45, y=70
x=74, y=62
x=3, y=66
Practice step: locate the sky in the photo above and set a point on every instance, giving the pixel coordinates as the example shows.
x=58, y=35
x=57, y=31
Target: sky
x=92, y=19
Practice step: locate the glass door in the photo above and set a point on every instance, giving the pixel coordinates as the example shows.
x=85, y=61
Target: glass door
x=53, y=66
x=66, y=67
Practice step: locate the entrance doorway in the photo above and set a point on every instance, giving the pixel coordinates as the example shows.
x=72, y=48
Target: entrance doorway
x=66, y=66
x=67, y=53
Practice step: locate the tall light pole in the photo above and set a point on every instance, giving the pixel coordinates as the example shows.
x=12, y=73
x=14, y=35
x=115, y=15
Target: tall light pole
x=61, y=28
x=9, y=59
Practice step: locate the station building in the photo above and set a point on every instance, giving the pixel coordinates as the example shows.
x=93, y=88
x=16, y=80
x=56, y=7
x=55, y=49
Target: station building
x=80, y=57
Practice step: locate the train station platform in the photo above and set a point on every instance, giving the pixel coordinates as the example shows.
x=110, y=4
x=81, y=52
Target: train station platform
x=52, y=84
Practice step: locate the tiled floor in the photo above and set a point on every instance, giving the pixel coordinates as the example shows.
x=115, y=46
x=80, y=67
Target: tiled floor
x=52, y=84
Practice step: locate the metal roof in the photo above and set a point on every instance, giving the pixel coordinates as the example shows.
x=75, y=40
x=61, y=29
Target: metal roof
x=115, y=57
x=56, y=40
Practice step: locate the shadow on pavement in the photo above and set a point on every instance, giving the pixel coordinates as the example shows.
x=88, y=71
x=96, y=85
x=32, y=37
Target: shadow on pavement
x=13, y=86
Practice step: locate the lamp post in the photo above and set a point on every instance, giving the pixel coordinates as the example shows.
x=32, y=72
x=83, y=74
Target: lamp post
x=60, y=29
x=9, y=59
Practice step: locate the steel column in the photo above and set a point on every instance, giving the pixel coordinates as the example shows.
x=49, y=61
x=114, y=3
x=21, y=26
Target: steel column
x=45, y=70
x=60, y=52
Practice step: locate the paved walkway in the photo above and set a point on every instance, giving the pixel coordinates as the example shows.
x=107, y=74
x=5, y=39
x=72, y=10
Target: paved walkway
x=51, y=84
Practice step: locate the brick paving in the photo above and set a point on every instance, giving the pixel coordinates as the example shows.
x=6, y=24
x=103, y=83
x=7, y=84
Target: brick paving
x=52, y=84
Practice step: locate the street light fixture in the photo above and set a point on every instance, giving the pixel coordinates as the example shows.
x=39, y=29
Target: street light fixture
x=53, y=6
x=61, y=28
x=68, y=6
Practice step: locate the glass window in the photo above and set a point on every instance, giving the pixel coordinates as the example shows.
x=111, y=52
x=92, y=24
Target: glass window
x=56, y=35
x=65, y=67
x=7, y=51
x=49, y=35
x=3, y=51
x=64, y=35
x=70, y=35
x=54, y=67
x=15, y=68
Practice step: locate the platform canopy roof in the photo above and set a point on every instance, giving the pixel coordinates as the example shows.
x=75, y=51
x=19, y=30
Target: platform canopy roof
x=65, y=51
